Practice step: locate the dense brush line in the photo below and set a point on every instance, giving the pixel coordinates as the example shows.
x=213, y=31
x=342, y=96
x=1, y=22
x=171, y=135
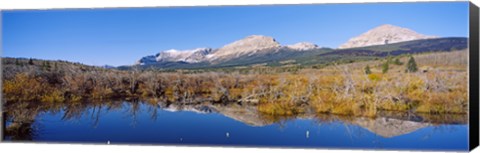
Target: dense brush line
x=439, y=87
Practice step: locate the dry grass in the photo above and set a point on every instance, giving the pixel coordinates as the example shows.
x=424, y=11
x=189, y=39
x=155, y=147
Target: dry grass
x=440, y=86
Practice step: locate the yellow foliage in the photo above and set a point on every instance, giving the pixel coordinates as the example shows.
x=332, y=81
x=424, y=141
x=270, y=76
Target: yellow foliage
x=54, y=96
x=375, y=77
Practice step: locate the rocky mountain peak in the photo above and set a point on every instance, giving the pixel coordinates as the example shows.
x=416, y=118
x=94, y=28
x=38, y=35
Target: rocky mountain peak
x=173, y=55
x=254, y=45
x=245, y=46
x=302, y=46
x=384, y=34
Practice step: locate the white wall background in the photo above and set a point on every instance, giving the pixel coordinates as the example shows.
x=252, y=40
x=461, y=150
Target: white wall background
x=79, y=148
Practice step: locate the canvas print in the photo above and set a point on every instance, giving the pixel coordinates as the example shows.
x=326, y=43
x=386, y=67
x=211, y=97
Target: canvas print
x=366, y=76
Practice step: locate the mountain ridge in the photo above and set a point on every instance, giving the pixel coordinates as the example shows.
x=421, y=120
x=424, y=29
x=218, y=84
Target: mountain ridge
x=258, y=49
x=248, y=46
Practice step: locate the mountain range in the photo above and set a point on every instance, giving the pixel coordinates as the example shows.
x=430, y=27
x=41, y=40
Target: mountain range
x=383, y=40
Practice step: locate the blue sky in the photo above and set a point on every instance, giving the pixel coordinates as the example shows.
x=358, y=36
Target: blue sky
x=122, y=36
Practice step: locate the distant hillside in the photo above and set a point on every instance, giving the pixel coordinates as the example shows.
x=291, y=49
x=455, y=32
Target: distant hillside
x=12, y=66
x=278, y=56
x=408, y=47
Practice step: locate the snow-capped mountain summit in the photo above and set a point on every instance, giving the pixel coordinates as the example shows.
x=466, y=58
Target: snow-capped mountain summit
x=384, y=34
x=172, y=55
x=302, y=46
x=247, y=46
x=189, y=56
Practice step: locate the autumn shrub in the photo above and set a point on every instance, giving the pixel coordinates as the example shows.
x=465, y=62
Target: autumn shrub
x=375, y=77
x=53, y=96
x=23, y=87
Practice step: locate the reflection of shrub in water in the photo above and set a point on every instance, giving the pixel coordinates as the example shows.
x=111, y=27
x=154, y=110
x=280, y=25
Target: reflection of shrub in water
x=20, y=117
x=20, y=131
x=18, y=120
x=280, y=108
x=277, y=119
x=438, y=119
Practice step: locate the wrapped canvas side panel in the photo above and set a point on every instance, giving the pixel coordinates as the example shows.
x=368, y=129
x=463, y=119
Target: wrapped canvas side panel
x=473, y=80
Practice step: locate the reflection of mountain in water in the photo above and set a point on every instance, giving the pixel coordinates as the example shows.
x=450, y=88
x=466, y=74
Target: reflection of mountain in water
x=21, y=116
x=383, y=126
x=389, y=127
x=201, y=109
x=245, y=114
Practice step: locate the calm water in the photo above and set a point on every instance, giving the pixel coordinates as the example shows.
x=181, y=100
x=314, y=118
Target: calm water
x=233, y=125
